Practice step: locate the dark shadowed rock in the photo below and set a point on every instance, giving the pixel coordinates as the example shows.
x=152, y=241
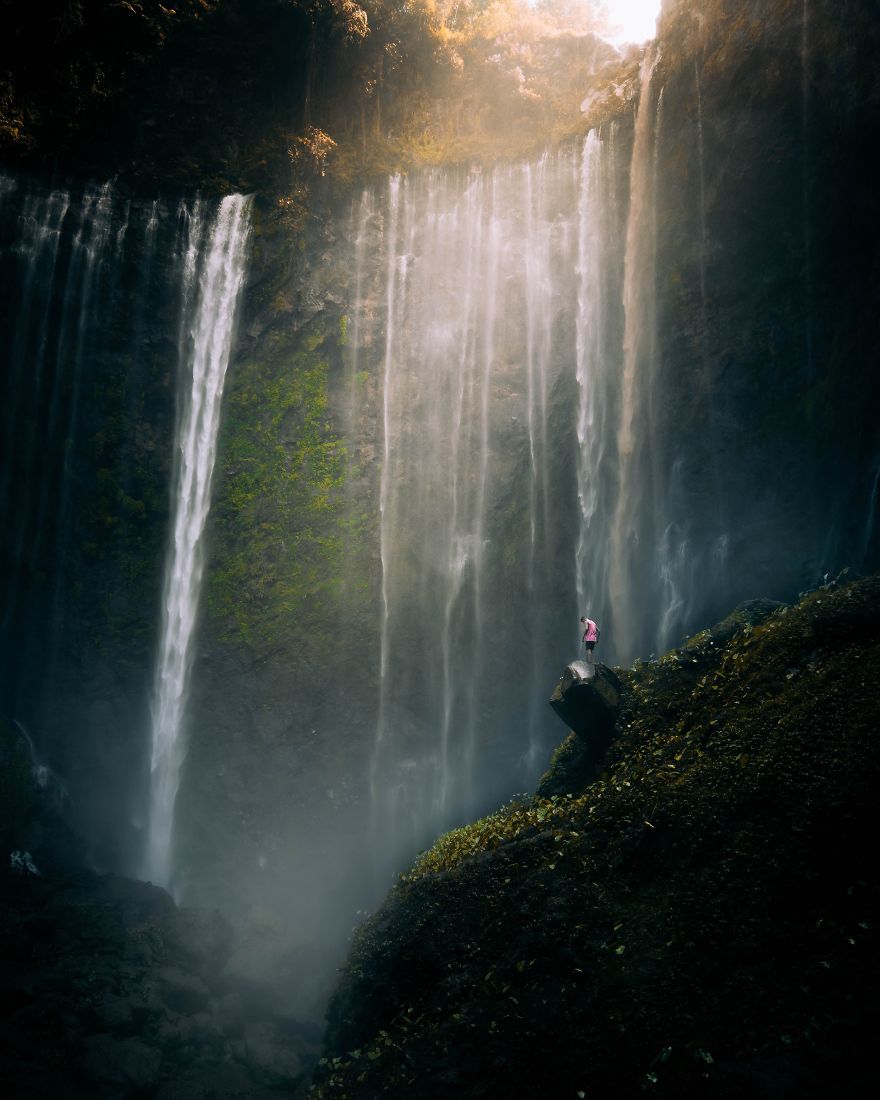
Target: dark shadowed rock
x=202, y=938
x=586, y=699
x=182, y=992
x=110, y=1062
x=228, y=1082
x=105, y=975
x=114, y=1014
x=268, y=1055
x=750, y=613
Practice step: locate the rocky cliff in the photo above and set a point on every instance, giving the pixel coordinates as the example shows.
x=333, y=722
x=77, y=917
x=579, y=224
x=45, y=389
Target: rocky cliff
x=757, y=467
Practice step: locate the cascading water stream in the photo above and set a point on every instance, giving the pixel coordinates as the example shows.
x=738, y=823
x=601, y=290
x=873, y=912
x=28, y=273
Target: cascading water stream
x=703, y=244
x=93, y=248
x=633, y=444
x=93, y=303
x=805, y=191
x=212, y=280
x=596, y=362
x=42, y=219
x=478, y=314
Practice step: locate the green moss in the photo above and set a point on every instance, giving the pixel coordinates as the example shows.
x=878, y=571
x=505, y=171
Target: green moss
x=314, y=339
x=516, y=820
x=280, y=508
x=570, y=768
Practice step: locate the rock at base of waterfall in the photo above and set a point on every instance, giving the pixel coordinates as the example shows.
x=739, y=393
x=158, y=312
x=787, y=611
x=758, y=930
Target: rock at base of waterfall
x=586, y=699
x=112, y=1064
x=161, y=1014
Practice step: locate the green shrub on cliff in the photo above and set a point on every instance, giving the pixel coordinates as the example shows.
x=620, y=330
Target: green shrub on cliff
x=270, y=94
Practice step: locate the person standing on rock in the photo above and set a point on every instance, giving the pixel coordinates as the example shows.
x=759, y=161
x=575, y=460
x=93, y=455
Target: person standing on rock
x=591, y=636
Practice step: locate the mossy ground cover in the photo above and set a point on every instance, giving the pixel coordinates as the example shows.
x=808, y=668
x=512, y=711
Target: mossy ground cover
x=701, y=921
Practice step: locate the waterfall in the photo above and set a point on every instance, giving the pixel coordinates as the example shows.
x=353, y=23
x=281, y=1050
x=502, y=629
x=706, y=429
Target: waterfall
x=36, y=250
x=213, y=276
x=805, y=193
x=87, y=343
x=362, y=217
x=482, y=317
x=64, y=260
x=94, y=246
x=635, y=453
x=701, y=154
x=597, y=361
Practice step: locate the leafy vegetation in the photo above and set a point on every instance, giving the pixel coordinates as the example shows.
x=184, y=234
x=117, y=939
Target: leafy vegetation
x=700, y=920
x=272, y=94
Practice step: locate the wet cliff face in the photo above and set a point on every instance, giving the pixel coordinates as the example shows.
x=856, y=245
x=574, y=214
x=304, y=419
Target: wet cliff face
x=89, y=372
x=751, y=472
x=766, y=272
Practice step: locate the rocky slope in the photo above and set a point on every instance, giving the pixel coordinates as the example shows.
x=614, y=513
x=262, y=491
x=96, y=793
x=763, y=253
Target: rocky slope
x=699, y=921
x=109, y=989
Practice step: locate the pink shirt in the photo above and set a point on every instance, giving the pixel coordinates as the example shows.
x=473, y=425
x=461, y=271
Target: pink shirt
x=592, y=631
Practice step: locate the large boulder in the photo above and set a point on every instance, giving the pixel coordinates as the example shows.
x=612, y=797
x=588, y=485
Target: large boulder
x=586, y=698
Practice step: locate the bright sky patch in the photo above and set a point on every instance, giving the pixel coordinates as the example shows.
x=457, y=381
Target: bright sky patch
x=632, y=20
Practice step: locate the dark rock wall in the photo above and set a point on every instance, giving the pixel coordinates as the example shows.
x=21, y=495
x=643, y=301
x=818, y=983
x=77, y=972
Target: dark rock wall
x=767, y=286
x=89, y=315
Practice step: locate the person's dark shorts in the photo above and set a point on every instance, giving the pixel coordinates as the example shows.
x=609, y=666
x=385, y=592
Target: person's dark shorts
x=590, y=646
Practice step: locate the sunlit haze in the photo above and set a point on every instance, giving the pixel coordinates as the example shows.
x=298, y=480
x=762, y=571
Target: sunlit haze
x=632, y=20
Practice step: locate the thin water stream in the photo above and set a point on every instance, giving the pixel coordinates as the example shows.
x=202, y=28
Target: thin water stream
x=212, y=282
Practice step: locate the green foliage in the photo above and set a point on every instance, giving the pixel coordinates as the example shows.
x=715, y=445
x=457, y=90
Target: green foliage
x=279, y=503
x=324, y=88
x=516, y=820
